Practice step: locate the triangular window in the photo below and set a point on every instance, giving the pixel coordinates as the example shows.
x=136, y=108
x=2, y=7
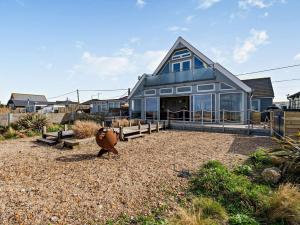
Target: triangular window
x=226, y=87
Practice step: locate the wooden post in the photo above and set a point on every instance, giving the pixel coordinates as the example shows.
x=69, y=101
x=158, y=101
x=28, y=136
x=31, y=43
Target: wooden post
x=139, y=127
x=130, y=124
x=284, y=124
x=271, y=123
x=121, y=133
x=164, y=125
x=223, y=118
x=149, y=128
x=157, y=126
x=102, y=124
x=8, y=119
x=44, y=131
x=118, y=123
x=183, y=115
x=202, y=116
x=65, y=127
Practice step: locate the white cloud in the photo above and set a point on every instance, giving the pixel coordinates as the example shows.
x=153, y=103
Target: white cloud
x=218, y=55
x=189, y=18
x=177, y=29
x=245, y=4
x=134, y=40
x=297, y=57
x=79, y=44
x=242, y=52
x=125, y=62
x=140, y=3
x=205, y=4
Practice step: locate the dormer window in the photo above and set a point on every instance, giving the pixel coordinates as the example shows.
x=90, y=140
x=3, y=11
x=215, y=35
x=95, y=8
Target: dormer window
x=181, y=54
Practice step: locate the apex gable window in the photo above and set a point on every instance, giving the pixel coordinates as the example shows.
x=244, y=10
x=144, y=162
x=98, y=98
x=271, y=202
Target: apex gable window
x=199, y=64
x=150, y=92
x=181, y=54
x=225, y=86
x=183, y=89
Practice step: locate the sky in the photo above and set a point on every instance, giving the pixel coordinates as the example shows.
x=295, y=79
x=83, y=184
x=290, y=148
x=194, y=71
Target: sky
x=54, y=47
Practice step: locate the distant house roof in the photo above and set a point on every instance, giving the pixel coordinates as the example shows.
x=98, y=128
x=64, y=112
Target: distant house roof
x=26, y=97
x=261, y=87
x=294, y=95
x=22, y=100
x=104, y=100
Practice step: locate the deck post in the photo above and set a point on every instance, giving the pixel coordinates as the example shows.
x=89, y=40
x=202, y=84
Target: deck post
x=223, y=118
x=149, y=128
x=271, y=123
x=139, y=126
x=102, y=124
x=202, y=116
x=44, y=131
x=157, y=126
x=65, y=127
x=183, y=115
x=8, y=119
x=164, y=125
x=130, y=123
x=121, y=133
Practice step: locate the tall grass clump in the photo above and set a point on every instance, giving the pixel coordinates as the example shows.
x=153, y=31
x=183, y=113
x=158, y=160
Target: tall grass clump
x=236, y=192
x=31, y=122
x=285, y=205
x=204, y=211
x=85, y=129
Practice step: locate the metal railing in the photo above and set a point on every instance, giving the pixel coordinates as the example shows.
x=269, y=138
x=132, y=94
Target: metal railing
x=179, y=77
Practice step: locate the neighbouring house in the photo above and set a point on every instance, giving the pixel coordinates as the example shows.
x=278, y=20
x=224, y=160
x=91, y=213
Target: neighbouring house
x=294, y=101
x=109, y=107
x=188, y=80
x=27, y=102
x=262, y=93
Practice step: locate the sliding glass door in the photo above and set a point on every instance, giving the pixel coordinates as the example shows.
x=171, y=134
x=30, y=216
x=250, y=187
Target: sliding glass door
x=151, y=108
x=204, y=107
x=231, y=107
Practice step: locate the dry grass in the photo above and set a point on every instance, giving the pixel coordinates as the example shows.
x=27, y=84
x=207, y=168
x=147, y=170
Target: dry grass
x=124, y=122
x=85, y=129
x=205, y=211
x=285, y=204
x=4, y=110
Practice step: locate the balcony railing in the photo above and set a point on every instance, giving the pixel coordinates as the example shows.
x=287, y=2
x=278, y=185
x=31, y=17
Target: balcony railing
x=180, y=77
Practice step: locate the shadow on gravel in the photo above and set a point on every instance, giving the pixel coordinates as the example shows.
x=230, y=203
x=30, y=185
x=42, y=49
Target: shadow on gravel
x=77, y=157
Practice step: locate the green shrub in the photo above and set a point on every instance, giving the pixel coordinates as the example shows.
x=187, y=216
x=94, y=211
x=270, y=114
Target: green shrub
x=260, y=156
x=236, y=192
x=31, y=122
x=31, y=133
x=242, y=219
x=2, y=138
x=54, y=128
x=10, y=133
x=244, y=170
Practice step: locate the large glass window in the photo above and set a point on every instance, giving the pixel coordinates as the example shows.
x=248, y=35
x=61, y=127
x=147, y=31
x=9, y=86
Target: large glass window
x=176, y=67
x=151, y=105
x=165, y=69
x=203, y=107
x=231, y=105
x=136, y=108
x=198, y=63
x=186, y=65
x=205, y=87
x=184, y=89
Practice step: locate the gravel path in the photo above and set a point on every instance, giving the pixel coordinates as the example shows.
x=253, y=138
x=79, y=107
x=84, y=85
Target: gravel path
x=41, y=185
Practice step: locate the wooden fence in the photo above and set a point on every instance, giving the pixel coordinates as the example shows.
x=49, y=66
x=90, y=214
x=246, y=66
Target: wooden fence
x=286, y=123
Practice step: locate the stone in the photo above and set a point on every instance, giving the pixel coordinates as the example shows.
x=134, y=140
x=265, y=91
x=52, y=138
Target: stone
x=54, y=219
x=271, y=175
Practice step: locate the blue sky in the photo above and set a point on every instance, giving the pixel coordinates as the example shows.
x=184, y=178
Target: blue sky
x=55, y=46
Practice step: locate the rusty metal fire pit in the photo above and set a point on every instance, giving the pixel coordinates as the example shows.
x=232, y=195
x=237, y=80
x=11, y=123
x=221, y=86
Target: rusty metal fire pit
x=107, y=141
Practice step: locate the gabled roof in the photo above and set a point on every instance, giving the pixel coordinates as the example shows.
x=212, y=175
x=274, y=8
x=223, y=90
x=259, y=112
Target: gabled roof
x=261, y=87
x=294, y=95
x=30, y=97
x=24, y=103
x=181, y=42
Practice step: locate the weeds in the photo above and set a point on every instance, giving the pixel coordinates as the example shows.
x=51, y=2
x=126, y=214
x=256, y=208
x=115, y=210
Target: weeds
x=85, y=129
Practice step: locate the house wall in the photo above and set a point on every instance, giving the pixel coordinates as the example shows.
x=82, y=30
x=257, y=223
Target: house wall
x=139, y=93
x=265, y=103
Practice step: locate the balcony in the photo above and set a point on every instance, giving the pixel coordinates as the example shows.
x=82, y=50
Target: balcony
x=180, y=77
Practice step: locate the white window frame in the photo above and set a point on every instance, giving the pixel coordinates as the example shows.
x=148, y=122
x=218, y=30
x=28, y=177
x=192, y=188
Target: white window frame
x=243, y=103
x=184, y=91
x=232, y=88
x=181, y=55
x=180, y=65
x=211, y=111
x=213, y=89
x=258, y=101
x=149, y=94
x=166, y=93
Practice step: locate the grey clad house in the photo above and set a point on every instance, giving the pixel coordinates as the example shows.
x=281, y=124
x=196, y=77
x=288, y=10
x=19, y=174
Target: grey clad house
x=262, y=93
x=187, y=85
x=294, y=101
